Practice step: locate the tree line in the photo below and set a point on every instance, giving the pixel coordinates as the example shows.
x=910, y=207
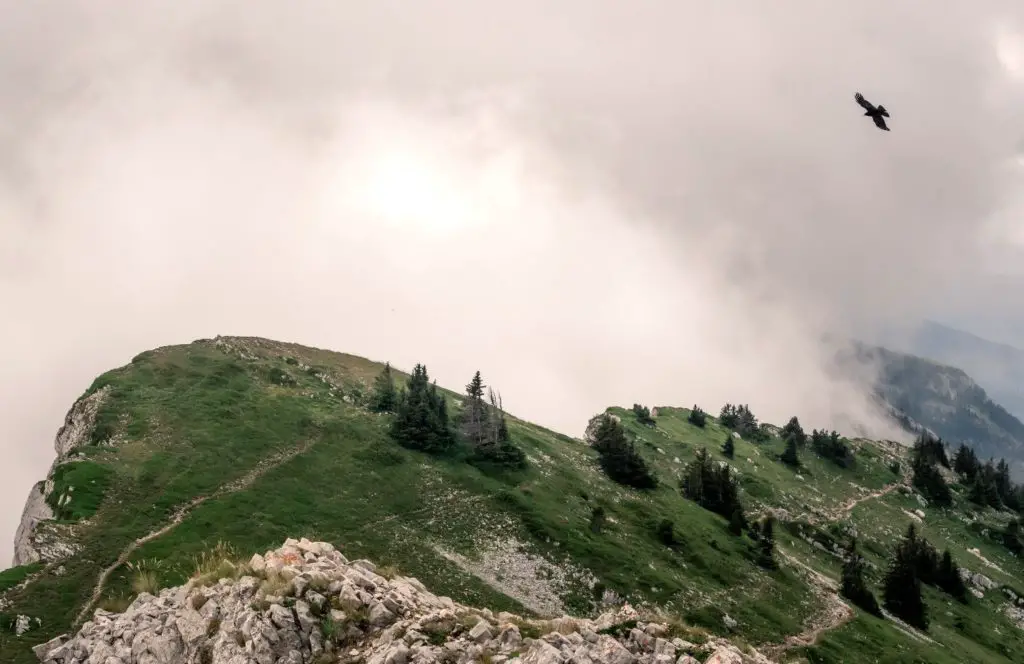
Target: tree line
x=422, y=422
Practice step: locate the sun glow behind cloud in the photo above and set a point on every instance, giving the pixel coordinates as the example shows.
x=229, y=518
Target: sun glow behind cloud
x=415, y=174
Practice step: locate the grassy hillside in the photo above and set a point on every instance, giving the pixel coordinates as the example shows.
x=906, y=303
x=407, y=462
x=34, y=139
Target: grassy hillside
x=229, y=446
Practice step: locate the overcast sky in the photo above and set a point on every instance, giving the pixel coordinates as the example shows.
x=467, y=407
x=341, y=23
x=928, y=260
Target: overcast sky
x=592, y=202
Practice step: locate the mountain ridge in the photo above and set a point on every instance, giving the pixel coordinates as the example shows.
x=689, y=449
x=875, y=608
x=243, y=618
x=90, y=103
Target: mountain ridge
x=941, y=398
x=996, y=366
x=177, y=427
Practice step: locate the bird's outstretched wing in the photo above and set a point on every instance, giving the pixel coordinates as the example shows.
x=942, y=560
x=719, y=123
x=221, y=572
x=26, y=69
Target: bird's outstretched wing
x=879, y=122
x=863, y=102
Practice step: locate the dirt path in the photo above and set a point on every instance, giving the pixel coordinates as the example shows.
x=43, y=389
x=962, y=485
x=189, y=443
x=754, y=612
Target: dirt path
x=836, y=614
x=179, y=515
x=844, y=511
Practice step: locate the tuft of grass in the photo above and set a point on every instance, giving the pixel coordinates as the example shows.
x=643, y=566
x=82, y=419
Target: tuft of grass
x=388, y=571
x=116, y=604
x=275, y=584
x=145, y=582
x=218, y=563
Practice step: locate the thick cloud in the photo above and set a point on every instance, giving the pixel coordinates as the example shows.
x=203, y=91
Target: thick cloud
x=592, y=202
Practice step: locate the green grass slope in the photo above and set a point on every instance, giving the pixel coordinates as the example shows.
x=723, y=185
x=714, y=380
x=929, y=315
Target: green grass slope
x=232, y=445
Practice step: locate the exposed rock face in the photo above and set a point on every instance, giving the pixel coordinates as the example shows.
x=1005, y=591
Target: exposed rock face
x=78, y=423
x=36, y=510
x=77, y=428
x=306, y=603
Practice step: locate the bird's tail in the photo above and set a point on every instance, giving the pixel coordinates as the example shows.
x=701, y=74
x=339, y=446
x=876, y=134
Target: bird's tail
x=881, y=109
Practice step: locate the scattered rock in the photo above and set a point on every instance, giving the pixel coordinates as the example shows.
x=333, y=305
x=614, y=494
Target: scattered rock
x=345, y=612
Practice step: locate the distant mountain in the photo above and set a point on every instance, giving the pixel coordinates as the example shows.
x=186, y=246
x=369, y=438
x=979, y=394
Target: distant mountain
x=945, y=400
x=999, y=368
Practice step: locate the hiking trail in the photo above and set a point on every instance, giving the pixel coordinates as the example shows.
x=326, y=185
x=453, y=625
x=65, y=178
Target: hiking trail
x=269, y=463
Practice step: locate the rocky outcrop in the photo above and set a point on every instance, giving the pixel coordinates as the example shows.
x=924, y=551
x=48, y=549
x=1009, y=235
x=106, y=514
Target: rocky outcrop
x=305, y=603
x=29, y=545
x=36, y=510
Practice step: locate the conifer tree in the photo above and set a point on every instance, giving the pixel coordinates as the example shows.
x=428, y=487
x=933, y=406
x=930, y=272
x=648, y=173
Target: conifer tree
x=789, y=456
x=853, y=585
x=421, y=417
x=729, y=447
x=710, y=485
x=666, y=532
x=496, y=446
x=474, y=413
x=737, y=522
x=618, y=456
x=928, y=480
x=384, y=398
x=697, y=417
x=643, y=414
x=948, y=578
x=902, y=587
x=830, y=445
x=766, y=542
x=795, y=431
x=729, y=416
x=1013, y=538
x=1004, y=487
x=965, y=463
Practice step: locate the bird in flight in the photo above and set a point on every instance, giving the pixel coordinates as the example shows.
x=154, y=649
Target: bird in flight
x=876, y=113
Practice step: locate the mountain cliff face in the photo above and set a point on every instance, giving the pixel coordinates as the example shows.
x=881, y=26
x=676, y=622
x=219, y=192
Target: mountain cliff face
x=947, y=401
x=39, y=535
x=999, y=368
x=173, y=471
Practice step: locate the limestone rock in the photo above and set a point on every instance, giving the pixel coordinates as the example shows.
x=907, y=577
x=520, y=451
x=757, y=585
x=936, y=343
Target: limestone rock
x=333, y=610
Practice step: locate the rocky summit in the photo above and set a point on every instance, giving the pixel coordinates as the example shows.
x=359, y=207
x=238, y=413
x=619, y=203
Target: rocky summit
x=305, y=602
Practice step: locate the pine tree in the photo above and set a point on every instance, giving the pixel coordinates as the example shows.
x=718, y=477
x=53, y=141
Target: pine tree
x=697, y=417
x=666, y=532
x=597, y=519
x=795, y=431
x=729, y=447
x=1013, y=538
x=965, y=463
x=766, y=541
x=789, y=456
x=948, y=578
x=618, y=456
x=737, y=522
x=497, y=446
x=643, y=414
x=710, y=485
x=984, y=490
x=384, y=398
x=474, y=413
x=1004, y=487
x=853, y=585
x=928, y=480
x=902, y=587
x=421, y=417
x=830, y=445
x=931, y=449
x=729, y=416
